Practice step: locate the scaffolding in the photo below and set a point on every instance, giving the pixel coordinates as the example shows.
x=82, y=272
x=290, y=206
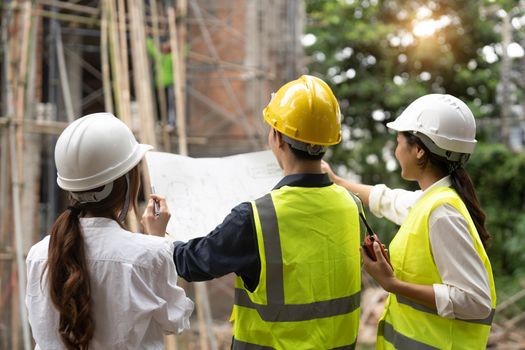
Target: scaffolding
x=64, y=59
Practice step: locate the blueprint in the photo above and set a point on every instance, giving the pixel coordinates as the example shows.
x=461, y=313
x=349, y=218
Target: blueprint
x=201, y=191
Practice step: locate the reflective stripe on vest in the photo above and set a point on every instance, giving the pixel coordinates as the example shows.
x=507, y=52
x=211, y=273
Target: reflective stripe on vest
x=408, y=322
x=241, y=345
x=299, y=312
x=400, y=341
x=272, y=322
x=405, y=301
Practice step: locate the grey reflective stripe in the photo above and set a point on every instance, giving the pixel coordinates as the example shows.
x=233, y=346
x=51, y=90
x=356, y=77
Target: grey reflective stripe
x=299, y=312
x=487, y=321
x=272, y=249
x=398, y=340
x=240, y=345
x=346, y=347
x=405, y=301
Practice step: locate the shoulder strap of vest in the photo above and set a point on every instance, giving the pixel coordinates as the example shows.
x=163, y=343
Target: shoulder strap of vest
x=357, y=200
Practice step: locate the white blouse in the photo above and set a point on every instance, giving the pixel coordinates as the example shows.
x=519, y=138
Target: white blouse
x=465, y=292
x=133, y=284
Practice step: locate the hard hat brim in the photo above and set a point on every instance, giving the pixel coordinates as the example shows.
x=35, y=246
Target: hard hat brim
x=106, y=177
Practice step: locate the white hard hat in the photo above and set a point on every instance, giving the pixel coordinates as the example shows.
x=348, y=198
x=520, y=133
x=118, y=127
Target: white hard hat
x=94, y=151
x=444, y=119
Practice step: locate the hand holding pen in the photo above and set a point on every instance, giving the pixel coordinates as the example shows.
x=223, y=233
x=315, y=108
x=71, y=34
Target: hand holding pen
x=156, y=216
x=156, y=206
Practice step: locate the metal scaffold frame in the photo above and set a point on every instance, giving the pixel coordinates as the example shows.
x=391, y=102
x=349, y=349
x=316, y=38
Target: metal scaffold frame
x=64, y=59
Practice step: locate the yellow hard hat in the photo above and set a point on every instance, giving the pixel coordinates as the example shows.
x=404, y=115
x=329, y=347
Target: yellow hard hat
x=306, y=110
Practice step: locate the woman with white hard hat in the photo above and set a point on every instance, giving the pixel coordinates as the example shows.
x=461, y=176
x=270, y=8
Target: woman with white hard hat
x=91, y=282
x=441, y=288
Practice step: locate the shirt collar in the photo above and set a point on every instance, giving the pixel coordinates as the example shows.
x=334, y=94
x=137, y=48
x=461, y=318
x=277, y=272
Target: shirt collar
x=304, y=180
x=98, y=222
x=443, y=182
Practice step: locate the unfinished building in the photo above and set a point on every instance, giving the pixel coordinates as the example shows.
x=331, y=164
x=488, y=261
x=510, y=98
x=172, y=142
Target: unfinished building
x=64, y=59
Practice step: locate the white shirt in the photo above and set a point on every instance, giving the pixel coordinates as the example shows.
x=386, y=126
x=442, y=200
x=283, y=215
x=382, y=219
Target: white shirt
x=133, y=284
x=465, y=292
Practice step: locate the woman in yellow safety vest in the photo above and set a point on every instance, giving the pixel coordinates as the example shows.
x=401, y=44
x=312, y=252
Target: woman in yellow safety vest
x=441, y=288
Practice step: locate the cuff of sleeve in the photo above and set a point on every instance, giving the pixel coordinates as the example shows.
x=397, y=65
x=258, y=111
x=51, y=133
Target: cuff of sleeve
x=374, y=199
x=443, y=303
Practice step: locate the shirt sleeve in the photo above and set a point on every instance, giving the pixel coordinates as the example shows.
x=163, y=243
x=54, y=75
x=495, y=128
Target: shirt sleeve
x=173, y=309
x=393, y=204
x=230, y=247
x=465, y=292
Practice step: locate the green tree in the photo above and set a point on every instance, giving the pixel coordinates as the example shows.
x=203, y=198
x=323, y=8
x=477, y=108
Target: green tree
x=378, y=56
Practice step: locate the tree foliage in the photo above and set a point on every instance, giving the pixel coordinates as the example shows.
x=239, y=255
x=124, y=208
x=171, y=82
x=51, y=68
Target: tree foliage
x=378, y=56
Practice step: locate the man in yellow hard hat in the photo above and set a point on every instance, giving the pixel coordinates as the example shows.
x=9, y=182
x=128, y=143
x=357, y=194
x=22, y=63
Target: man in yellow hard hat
x=295, y=250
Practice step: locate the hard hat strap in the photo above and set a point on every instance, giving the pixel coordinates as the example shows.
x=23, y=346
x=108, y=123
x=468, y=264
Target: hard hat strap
x=93, y=196
x=449, y=155
x=312, y=150
x=124, y=211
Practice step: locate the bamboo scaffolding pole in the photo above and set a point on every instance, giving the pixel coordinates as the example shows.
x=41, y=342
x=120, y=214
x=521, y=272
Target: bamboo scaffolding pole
x=15, y=136
x=182, y=32
x=30, y=90
x=20, y=62
x=66, y=5
x=90, y=21
x=51, y=127
x=114, y=54
x=20, y=263
x=141, y=74
x=104, y=60
x=6, y=90
x=177, y=75
x=64, y=80
x=126, y=95
x=161, y=92
x=5, y=211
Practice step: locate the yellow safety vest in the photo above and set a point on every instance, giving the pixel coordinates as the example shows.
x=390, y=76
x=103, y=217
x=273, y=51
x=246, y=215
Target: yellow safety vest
x=309, y=288
x=405, y=324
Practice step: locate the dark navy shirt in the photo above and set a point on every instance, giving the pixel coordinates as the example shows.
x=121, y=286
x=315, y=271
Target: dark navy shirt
x=232, y=246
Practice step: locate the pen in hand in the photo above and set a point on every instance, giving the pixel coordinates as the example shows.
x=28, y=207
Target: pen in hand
x=156, y=207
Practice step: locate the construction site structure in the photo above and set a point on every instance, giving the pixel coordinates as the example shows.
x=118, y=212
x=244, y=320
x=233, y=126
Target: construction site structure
x=64, y=59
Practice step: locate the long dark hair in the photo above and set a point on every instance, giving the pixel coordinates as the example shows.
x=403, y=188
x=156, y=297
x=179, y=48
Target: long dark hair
x=461, y=182
x=68, y=275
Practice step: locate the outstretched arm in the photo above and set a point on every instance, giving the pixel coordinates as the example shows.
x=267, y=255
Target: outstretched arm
x=361, y=190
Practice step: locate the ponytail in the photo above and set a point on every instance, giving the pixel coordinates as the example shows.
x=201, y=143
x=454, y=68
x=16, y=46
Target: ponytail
x=462, y=183
x=68, y=279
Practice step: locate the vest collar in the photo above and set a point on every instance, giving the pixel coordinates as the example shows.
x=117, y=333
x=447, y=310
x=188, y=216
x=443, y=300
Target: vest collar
x=304, y=180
